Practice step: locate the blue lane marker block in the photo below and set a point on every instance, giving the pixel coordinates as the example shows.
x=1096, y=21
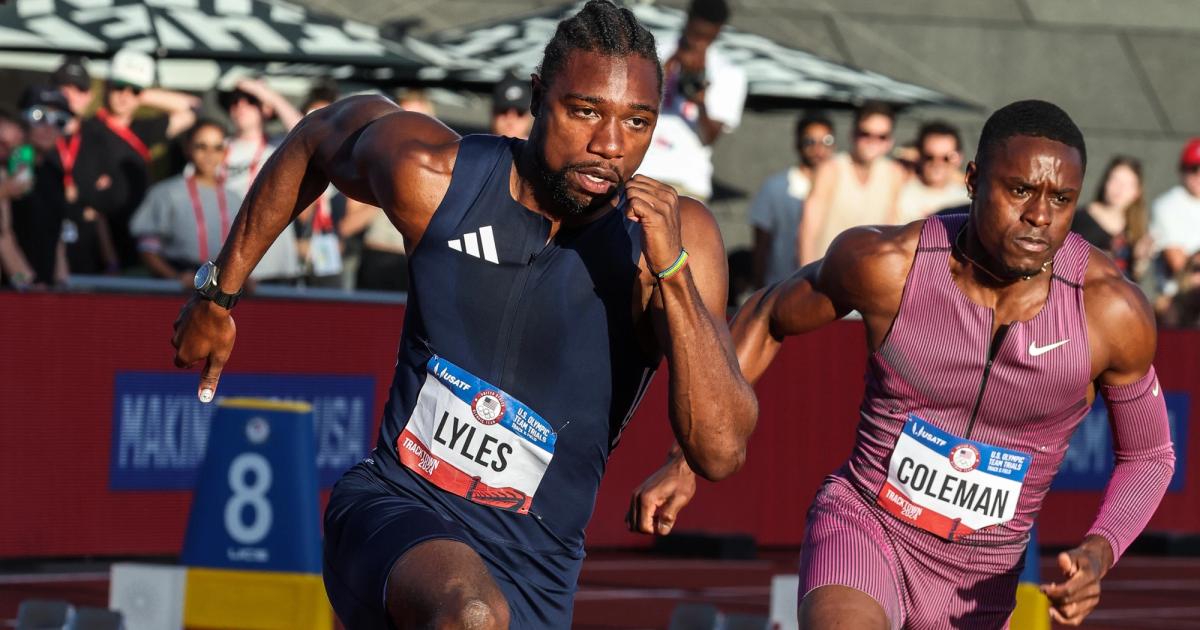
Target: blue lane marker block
x=255, y=505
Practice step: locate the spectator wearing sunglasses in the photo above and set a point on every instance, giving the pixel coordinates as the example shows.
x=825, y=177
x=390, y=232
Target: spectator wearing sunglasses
x=130, y=86
x=1175, y=218
x=938, y=182
x=184, y=219
x=855, y=188
x=776, y=209
x=131, y=143
x=39, y=216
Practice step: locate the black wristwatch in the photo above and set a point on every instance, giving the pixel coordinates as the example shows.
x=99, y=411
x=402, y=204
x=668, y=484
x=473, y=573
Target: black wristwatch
x=205, y=282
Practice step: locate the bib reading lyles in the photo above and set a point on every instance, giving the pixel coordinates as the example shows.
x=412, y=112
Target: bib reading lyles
x=472, y=439
x=951, y=486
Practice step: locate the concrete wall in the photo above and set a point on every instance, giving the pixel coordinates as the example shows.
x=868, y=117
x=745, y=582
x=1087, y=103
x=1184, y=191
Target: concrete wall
x=1126, y=70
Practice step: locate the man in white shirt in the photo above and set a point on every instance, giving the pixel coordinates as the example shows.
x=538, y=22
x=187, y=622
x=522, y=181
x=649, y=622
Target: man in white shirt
x=703, y=95
x=939, y=182
x=1175, y=216
x=249, y=107
x=775, y=211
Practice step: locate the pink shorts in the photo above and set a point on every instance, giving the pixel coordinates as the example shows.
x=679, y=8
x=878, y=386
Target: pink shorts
x=922, y=581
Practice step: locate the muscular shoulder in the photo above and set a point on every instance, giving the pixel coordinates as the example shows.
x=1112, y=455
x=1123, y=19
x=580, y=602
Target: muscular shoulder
x=405, y=159
x=1120, y=320
x=696, y=219
x=865, y=267
x=410, y=141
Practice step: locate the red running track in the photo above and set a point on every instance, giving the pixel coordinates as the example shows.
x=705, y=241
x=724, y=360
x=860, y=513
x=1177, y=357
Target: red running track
x=638, y=590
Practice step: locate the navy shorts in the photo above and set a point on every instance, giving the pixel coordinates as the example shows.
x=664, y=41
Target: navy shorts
x=370, y=524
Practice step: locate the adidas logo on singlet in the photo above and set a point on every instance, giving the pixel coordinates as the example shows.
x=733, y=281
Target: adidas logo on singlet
x=472, y=242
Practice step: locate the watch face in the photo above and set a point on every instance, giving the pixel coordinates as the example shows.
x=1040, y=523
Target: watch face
x=200, y=281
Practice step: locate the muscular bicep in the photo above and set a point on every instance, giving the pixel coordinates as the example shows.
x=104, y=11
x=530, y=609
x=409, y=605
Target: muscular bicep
x=799, y=304
x=863, y=270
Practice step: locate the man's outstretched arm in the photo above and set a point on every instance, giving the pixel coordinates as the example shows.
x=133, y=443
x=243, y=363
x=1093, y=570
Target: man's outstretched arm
x=360, y=145
x=818, y=294
x=1145, y=459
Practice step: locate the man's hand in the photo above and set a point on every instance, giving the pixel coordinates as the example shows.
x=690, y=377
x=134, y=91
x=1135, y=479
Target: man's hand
x=657, y=501
x=1083, y=567
x=656, y=206
x=204, y=331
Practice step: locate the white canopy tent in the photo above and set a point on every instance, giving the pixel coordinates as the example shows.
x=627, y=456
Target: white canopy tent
x=201, y=44
x=779, y=76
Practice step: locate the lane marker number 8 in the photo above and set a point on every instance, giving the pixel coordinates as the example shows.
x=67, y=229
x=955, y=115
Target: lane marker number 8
x=253, y=495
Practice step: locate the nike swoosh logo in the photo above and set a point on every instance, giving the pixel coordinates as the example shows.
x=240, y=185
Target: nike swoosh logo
x=1035, y=351
x=1154, y=392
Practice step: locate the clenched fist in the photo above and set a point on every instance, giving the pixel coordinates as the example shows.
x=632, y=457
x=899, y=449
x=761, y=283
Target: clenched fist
x=656, y=206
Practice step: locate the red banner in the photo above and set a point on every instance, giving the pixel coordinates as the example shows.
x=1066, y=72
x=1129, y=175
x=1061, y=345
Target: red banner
x=61, y=353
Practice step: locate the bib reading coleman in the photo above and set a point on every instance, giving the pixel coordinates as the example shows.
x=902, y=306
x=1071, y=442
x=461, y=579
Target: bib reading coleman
x=951, y=486
x=471, y=439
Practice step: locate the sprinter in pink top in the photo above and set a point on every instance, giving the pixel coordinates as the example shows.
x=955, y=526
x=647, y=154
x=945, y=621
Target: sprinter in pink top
x=990, y=334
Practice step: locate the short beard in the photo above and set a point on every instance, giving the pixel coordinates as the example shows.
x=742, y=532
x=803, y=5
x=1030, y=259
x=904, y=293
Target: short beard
x=555, y=183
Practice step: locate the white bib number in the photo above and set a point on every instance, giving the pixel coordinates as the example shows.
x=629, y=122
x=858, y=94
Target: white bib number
x=470, y=438
x=951, y=486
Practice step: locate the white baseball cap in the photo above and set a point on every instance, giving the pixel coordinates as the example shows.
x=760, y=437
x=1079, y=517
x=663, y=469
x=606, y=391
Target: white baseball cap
x=132, y=67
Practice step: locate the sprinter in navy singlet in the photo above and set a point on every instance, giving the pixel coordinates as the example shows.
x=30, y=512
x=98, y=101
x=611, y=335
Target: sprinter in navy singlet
x=548, y=282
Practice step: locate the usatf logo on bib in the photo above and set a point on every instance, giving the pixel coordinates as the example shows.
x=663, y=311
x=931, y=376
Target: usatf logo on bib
x=951, y=486
x=472, y=439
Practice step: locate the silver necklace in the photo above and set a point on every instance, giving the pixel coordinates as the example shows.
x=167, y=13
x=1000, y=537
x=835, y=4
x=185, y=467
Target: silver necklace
x=961, y=250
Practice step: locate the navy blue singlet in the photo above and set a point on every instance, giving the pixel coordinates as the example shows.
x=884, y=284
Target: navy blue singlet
x=519, y=364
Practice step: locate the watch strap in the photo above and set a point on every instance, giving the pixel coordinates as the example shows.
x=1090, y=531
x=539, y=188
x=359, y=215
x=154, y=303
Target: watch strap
x=224, y=300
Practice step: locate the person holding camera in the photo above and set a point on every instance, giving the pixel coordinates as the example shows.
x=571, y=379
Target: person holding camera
x=703, y=96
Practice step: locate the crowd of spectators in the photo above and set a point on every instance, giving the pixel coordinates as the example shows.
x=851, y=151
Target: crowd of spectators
x=123, y=178
x=798, y=211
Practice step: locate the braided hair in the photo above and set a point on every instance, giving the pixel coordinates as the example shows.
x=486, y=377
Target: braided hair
x=600, y=27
